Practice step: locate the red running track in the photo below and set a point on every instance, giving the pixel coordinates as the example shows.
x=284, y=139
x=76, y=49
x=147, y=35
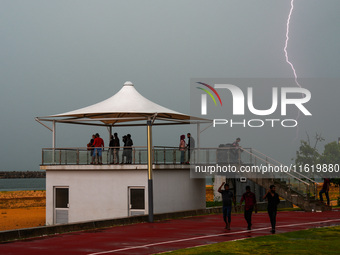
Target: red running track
x=149, y=238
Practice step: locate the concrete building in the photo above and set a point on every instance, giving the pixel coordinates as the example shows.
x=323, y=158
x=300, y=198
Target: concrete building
x=87, y=192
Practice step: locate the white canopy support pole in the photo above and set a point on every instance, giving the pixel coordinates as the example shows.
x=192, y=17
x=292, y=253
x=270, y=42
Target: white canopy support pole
x=36, y=119
x=110, y=131
x=53, y=134
x=150, y=185
x=53, y=140
x=206, y=128
x=198, y=134
x=196, y=158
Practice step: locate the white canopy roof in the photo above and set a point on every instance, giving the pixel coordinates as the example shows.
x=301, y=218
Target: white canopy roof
x=126, y=105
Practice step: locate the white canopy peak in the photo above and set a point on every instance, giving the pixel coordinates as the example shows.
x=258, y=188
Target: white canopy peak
x=128, y=83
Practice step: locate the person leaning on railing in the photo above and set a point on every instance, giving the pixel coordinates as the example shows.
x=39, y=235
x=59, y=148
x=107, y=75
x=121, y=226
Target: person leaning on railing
x=98, y=145
x=90, y=145
x=124, y=139
x=114, y=149
x=116, y=145
x=111, y=150
x=129, y=144
x=190, y=146
x=237, y=149
x=182, y=148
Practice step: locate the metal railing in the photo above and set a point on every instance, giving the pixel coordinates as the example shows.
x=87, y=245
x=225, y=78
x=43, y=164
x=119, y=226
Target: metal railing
x=296, y=181
x=172, y=155
x=161, y=155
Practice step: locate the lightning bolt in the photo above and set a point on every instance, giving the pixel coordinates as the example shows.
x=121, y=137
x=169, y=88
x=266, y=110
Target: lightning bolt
x=287, y=58
x=286, y=43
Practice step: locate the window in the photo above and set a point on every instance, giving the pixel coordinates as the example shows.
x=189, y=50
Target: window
x=61, y=197
x=137, y=199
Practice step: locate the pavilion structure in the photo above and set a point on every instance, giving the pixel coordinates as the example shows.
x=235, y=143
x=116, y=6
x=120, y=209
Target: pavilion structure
x=126, y=108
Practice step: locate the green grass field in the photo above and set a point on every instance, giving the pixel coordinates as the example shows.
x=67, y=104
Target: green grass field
x=311, y=241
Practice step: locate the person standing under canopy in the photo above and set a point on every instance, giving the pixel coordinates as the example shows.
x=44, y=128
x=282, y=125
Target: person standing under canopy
x=98, y=145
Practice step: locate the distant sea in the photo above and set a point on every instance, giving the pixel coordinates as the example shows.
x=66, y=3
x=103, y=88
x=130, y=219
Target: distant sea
x=23, y=184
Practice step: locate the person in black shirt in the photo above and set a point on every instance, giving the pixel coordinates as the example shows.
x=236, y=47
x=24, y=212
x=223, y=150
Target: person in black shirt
x=190, y=146
x=227, y=198
x=111, y=150
x=90, y=145
x=325, y=189
x=124, y=139
x=129, y=144
x=116, y=145
x=273, y=201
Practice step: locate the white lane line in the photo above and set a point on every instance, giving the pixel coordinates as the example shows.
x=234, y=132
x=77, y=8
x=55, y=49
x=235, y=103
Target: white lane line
x=208, y=236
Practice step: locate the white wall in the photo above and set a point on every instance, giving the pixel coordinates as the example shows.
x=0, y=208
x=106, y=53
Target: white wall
x=93, y=194
x=175, y=191
x=103, y=193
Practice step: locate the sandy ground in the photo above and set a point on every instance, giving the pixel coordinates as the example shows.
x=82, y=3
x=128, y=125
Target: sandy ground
x=209, y=193
x=27, y=209
x=22, y=209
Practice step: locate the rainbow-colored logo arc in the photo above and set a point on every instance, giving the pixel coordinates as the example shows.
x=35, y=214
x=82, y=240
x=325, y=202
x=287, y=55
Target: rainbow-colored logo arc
x=209, y=93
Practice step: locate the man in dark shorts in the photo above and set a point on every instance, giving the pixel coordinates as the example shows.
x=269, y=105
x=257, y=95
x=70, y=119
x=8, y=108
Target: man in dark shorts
x=250, y=205
x=325, y=189
x=273, y=201
x=227, y=198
